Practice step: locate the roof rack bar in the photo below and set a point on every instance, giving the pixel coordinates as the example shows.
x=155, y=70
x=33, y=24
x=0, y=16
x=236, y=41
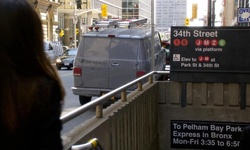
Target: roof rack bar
x=105, y=24
x=115, y=23
x=132, y=23
x=138, y=22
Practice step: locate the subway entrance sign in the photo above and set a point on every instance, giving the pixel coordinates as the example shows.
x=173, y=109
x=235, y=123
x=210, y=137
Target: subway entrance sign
x=210, y=54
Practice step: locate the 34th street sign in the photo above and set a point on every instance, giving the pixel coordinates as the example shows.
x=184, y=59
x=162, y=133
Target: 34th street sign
x=243, y=15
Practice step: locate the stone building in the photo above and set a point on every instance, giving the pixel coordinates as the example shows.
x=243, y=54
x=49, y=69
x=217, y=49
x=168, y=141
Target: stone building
x=47, y=10
x=85, y=11
x=73, y=17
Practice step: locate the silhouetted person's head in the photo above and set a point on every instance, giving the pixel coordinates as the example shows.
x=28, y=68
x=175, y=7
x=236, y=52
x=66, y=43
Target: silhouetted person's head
x=21, y=37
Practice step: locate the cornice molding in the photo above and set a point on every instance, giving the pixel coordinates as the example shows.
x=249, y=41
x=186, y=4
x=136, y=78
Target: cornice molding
x=46, y=3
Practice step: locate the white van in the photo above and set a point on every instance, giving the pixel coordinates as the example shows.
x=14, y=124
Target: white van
x=53, y=50
x=112, y=57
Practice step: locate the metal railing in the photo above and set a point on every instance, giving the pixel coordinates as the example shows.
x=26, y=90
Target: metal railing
x=98, y=104
x=91, y=144
x=99, y=101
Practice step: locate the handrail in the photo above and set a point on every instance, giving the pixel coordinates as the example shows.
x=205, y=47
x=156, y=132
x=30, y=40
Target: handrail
x=91, y=144
x=97, y=102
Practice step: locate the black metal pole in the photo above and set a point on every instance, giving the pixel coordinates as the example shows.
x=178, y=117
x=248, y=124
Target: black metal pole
x=213, y=12
x=209, y=13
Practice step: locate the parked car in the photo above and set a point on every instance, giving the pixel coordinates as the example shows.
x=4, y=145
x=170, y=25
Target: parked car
x=48, y=48
x=66, y=59
x=112, y=57
x=53, y=50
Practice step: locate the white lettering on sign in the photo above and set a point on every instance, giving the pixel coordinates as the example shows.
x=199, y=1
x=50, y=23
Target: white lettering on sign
x=181, y=33
x=204, y=135
x=198, y=33
x=186, y=134
x=198, y=49
x=185, y=59
x=190, y=141
x=205, y=62
x=195, y=127
x=208, y=65
x=220, y=136
x=216, y=128
x=233, y=129
x=186, y=65
x=212, y=49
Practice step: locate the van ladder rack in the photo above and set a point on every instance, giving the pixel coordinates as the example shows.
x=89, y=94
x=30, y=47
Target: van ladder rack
x=133, y=23
x=116, y=23
x=104, y=24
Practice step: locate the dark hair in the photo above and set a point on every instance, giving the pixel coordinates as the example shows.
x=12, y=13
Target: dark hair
x=23, y=61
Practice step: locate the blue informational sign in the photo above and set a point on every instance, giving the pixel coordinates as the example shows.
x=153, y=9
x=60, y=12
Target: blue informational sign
x=243, y=15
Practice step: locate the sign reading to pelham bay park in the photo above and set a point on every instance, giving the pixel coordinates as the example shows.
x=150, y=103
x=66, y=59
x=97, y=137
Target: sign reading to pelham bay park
x=206, y=135
x=210, y=54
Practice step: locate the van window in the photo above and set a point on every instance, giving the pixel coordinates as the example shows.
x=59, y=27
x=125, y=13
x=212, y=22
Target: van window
x=96, y=47
x=124, y=48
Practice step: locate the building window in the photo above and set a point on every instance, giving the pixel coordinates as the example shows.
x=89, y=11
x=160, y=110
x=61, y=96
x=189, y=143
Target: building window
x=130, y=9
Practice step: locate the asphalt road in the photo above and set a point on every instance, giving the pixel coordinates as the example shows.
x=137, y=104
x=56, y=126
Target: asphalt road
x=71, y=101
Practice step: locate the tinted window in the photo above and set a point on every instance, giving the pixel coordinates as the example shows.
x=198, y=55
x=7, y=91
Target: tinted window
x=70, y=52
x=96, y=47
x=124, y=48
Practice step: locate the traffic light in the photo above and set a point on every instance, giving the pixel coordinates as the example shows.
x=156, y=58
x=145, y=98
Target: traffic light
x=194, y=11
x=61, y=33
x=104, y=10
x=187, y=20
x=79, y=4
x=77, y=30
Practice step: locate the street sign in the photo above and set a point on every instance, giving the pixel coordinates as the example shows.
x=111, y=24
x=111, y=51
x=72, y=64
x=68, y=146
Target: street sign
x=243, y=15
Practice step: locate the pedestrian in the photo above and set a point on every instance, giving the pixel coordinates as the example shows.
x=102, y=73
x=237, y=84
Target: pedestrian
x=31, y=94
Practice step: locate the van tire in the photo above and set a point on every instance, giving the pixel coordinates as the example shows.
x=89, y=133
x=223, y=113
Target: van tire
x=84, y=99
